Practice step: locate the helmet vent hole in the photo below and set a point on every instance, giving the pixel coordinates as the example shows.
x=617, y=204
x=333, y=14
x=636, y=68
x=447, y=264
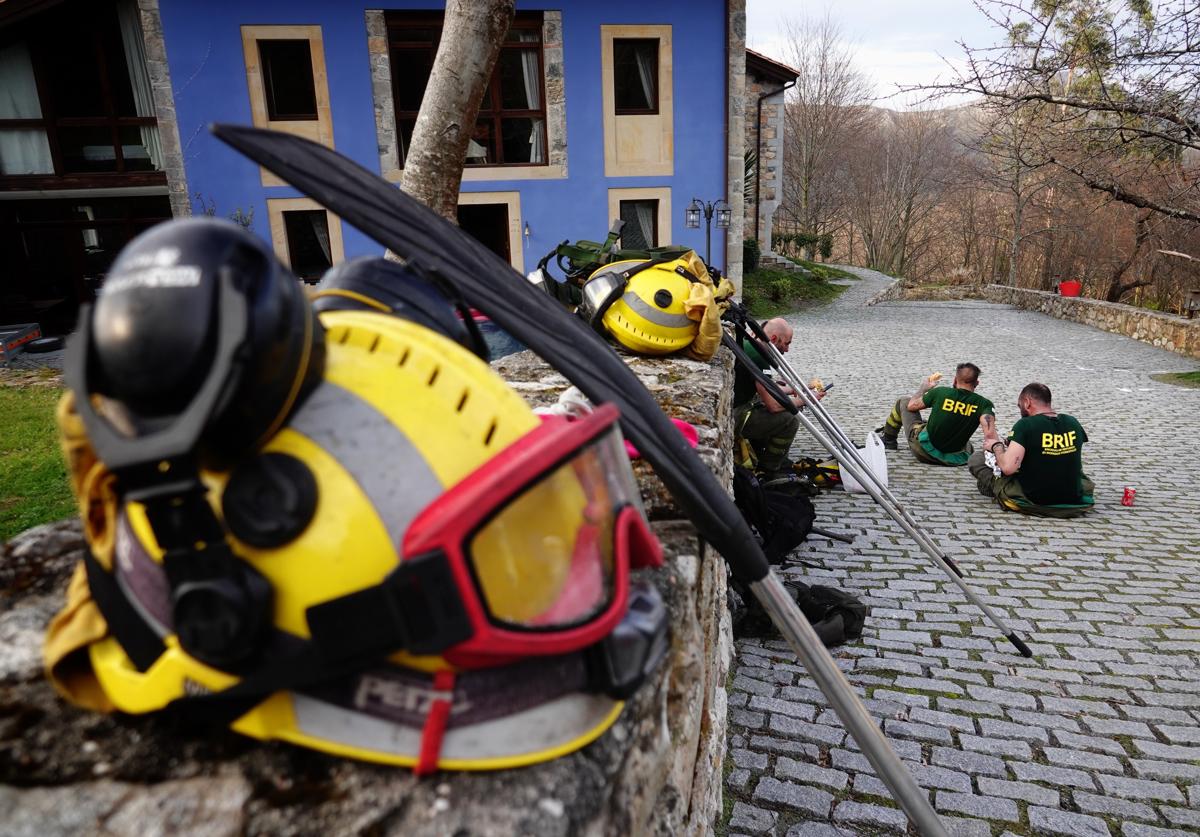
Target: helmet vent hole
x=374, y=345
x=404, y=357
x=487, y=440
x=343, y=337
x=434, y=375
x=462, y=402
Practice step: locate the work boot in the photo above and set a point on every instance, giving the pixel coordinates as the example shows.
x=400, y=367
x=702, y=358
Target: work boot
x=888, y=440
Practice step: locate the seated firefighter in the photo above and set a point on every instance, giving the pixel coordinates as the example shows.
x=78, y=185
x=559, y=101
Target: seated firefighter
x=1041, y=465
x=767, y=426
x=955, y=412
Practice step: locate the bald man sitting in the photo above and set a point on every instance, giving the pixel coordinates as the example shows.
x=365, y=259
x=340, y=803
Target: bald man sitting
x=763, y=422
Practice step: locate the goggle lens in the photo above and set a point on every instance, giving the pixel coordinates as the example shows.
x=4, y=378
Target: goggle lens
x=546, y=559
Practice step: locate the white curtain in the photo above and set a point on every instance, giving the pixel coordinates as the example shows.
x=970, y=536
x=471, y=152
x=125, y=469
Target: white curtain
x=533, y=96
x=91, y=238
x=647, y=59
x=139, y=77
x=645, y=216
x=25, y=150
x=320, y=228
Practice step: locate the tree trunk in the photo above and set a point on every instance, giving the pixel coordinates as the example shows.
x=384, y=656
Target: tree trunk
x=467, y=53
x=1117, y=289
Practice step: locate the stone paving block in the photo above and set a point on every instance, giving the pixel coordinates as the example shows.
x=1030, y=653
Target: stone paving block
x=818, y=829
x=916, y=732
x=974, y=708
x=1088, y=742
x=1091, y=803
x=1005, y=729
x=1179, y=735
x=737, y=779
x=1023, y=791
x=745, y=718
x=810, y=773
x=1082, y=759
x=869, y=814
x=1027, y=772
x=1133, y=829
x=749, y=760
x=803, y=711
x=1107, y=726
x=995, y=746
x=921, y=715
x=1018, y=700
x=931, y=776
x=977, y=764
x=770, y=744
x=1168, y=752
x=1181, y=816
x=809, y=800
x=752, y=819
x=984, y=807
x=901, y=697
x=908, y=750
x=1042, y=719
x=805, y=731
x=1139, y=788
x=1056, y=821
x=959, y=827
x=742, y=683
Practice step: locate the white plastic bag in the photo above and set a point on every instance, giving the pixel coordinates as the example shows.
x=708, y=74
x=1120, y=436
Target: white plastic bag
x=873, y=455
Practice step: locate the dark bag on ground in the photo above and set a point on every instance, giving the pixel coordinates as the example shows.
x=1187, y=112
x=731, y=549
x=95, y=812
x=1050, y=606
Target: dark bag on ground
x=781, y=519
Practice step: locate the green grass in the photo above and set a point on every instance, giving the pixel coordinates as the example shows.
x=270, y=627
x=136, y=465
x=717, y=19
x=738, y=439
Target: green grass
x=33, y=478
x=1183, y=379
x=823, y=271
x=768, y=293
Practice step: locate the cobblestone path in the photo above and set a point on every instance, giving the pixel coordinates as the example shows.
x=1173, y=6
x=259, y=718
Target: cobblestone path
x=1099, y=734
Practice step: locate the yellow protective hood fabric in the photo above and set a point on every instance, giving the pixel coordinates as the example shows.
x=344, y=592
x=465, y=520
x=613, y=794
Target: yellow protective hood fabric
x=77, y=626
x=705, y=305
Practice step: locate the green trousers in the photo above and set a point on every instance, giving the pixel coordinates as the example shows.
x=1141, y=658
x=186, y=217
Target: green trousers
x=908, y=422
x=1007, y=492
x=769, y=434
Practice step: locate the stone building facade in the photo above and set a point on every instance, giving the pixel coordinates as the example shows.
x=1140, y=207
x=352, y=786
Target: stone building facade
x=767, y=82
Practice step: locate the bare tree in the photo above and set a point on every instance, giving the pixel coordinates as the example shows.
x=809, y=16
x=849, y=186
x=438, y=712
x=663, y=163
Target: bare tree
x=1123, y=80
x=825, y=109
x=897, y=182
x=461, y=71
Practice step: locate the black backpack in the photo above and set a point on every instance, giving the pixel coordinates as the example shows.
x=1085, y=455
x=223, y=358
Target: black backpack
x=782, y=519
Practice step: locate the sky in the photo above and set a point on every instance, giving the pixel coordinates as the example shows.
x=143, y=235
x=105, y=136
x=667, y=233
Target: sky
x=896, y=42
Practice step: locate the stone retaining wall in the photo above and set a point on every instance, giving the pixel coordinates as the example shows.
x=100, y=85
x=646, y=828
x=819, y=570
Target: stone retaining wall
x=1167, y=331
x=657, y=771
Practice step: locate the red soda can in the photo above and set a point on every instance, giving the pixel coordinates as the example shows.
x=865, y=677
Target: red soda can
x=1130, y=493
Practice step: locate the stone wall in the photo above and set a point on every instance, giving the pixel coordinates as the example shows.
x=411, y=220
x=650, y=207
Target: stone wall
x=1167, y=331
x=657, y=771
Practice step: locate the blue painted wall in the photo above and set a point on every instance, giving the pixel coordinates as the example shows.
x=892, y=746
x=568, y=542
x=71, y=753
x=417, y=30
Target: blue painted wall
x=204, y=51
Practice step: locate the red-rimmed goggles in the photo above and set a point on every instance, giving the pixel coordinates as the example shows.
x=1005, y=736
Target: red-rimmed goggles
x=528, y=555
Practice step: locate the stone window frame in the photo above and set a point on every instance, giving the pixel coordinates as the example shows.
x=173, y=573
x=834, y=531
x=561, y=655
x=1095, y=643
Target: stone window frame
x=279, y=243
x=556, y=106
x=512, y=200
x=663, y=121
x=319, y=130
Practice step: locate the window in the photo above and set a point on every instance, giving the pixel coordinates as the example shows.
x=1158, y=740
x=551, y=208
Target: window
x=641, y=224
x=55, y=253
x=511, y=128
x=287, y=75
x=635, y=75
x=309, y=252
x=488, y=224
x=90, y=115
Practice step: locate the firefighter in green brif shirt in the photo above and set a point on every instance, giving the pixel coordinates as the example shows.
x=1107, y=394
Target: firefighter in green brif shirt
x=954, y=413
x=1041, y=465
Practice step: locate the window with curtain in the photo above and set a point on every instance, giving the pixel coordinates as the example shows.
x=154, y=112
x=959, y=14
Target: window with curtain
x=287, y=77
x=309, y=252
x=90, y=115
x=511, y=128
x=635, y=75
x=641, y=224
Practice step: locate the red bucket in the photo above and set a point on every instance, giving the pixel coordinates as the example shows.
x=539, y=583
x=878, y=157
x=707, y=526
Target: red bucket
x=1069, y=288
